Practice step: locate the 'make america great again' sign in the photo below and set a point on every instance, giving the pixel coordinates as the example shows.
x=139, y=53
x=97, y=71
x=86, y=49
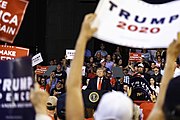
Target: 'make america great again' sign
x=11, y=52
x=135, y=23
x=11, y=16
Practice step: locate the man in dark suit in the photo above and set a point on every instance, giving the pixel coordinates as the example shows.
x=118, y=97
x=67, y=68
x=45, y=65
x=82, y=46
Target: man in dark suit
x=99, y=82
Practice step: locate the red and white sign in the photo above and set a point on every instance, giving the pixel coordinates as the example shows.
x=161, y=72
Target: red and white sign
x=12, y=52
x=135, y=57
x=135, y=23
x=11, y=16
x=40, y=70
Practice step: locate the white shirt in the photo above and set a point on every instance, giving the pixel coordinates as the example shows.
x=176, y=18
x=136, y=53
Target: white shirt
x=42, y=117
x=155, y=89
x=176, y=72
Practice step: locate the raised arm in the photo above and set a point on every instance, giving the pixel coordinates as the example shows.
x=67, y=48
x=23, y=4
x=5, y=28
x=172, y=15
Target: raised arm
x=74, y=101
x=172, y=53
x=39, y=99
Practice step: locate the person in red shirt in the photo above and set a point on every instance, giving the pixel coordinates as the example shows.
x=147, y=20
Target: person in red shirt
x=112, y=79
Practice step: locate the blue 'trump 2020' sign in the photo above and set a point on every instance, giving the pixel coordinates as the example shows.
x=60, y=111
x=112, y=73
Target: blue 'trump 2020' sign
x=15, y=83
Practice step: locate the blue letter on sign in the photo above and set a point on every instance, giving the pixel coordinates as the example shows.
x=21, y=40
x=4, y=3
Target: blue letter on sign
x=173, y=18
x=155, y=21
x=112, y=5
x=124, y=13
x=142, y=21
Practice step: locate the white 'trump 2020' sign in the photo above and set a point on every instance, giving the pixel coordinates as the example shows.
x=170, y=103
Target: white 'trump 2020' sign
x=135, y=23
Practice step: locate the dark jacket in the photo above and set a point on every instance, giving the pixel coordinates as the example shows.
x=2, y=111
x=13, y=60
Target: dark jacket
x=105, y=84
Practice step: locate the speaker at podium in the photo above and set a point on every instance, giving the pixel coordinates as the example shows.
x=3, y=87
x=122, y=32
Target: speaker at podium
x=91, y=98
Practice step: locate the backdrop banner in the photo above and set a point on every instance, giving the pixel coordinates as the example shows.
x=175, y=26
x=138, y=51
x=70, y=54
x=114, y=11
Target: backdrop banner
x=135, y=23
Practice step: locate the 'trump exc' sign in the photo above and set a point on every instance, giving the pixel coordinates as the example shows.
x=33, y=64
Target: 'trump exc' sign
x=15, y=83
x=135, y=23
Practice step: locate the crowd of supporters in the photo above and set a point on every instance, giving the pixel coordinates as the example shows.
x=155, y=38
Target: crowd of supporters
x=150, y=68
x=99, y=76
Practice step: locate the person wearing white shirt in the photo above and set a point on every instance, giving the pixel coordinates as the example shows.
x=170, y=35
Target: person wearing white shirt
x=154, y=86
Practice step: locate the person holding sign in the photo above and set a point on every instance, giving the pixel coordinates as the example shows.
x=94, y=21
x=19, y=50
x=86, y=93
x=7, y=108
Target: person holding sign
x=173, y=52
x=75, y=110
x=74, y=82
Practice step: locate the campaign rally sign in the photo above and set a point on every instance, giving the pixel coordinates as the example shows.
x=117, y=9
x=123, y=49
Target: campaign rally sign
x=50, y=69
x=40, y=70
x=15, y=82
x=11, y=16
x=70, y=54
x=135, y=57
x=44, y=70
x=11, y=52
x=135, y=23
x=83, y=73
x=83, y=70
x=37, y=59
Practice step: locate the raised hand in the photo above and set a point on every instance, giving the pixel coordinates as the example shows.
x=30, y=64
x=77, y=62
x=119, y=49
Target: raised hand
x=173, y=50
x=39, y=99
x=86, y=30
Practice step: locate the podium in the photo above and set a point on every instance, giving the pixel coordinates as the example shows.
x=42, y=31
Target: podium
x=91, y=98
